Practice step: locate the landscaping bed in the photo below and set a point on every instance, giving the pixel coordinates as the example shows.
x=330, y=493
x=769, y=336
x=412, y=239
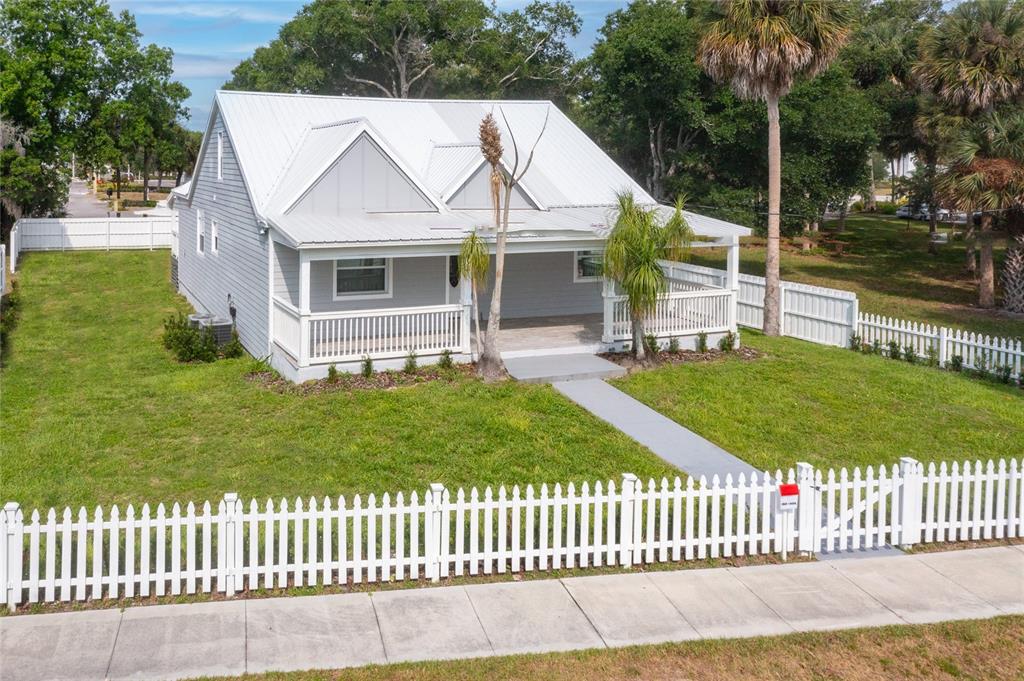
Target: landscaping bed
x=668, y=357
x=380, y=380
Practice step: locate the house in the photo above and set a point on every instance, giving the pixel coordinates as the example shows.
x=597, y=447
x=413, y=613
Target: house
x=330, y=227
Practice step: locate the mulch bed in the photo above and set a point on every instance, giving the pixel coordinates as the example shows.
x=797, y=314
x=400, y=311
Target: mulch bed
x=381, y=380
x=626, y=359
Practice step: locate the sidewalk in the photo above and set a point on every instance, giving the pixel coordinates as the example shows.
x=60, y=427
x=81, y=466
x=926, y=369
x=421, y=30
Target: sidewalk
x=323, y=632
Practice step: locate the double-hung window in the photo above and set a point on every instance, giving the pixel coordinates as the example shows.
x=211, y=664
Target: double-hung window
x=362, y=278
x=587, y=266
x=214, y=237
x=200, y=233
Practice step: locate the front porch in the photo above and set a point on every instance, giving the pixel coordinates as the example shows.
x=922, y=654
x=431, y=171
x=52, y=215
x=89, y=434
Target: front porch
x=314, y=328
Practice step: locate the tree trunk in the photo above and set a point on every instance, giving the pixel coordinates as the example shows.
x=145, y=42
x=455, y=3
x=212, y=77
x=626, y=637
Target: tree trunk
x=986, y=282
x=177, y=178
x=491, y=367
x=971, y=264
x=145, y=175
x=933, y=223
x=871, y=204
x=842, y=219
x=892, y=180
x=476, y=317
x=639, y=347
x=117, y=180
x=772, y=290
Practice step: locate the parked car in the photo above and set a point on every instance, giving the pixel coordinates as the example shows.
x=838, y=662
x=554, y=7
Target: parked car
x=904, y=212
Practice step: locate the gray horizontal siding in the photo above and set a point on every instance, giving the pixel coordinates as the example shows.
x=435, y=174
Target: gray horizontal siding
x=417, y=281
x=240, y=267
x=286, y=273
x=541, y=285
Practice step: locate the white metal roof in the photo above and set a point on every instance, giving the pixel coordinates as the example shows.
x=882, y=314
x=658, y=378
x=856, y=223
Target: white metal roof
x=283, y=142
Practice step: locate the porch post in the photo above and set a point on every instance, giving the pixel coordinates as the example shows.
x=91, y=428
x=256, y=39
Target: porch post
x=304, y=264
x=466, y=299
x=608, y=298
x=732, y=276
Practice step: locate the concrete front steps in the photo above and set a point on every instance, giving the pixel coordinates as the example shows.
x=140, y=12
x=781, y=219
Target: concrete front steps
x=556, y=368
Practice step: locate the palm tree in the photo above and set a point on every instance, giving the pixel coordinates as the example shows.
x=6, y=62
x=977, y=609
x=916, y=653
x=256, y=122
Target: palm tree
x=473, y=264
x=636, y=243
x=986, y=171
x=974, y=62
x=761, y=47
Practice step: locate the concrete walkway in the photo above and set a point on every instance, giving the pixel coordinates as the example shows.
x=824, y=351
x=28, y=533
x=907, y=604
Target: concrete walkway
x=82, y=204
x=556, y=368
x=326, y=632
x=678, y=446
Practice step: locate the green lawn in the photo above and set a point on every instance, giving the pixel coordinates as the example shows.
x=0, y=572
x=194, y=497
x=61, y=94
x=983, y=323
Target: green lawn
x=892, y=273
x=94, y=410
x=833, y=407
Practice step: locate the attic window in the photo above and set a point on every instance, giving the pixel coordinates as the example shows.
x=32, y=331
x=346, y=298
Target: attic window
x=220, y=156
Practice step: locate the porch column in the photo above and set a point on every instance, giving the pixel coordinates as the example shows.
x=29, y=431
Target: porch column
x=608, y=298
x=304, y=264
x=732, y=278
x=466, y=299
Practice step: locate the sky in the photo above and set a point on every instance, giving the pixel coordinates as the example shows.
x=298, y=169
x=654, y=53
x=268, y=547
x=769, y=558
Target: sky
x=210, y=38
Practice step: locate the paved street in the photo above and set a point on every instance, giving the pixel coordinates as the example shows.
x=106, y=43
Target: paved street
x=321, y=632
x=82, y=204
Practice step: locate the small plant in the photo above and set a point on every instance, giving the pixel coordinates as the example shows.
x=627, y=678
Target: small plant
x=702, y=341
x=410, y=363
x=673, y=345
x=1004, y=372
x=910, y=354
x=894, y=350
x=332, y=374
x=956, y=363
x=446, y=362
x=188, y=343
x=855, y=342
x=366, y=368
x=651, y=345
x=932, y=356
x=727, y=343
x=876, y=347
x=233, y=348
x=981, y=365
x=258, y=365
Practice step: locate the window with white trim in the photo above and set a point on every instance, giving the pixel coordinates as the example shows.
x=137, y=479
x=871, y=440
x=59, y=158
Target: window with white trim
x=200, y=233
x=587, y=266
x=214, y=238
x=362, y=278
x=220, y=156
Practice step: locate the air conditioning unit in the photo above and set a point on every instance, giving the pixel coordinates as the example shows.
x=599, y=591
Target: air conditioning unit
x=221, y=326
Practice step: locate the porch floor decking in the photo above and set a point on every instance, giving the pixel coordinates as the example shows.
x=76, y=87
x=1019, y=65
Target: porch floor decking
x=538, y=333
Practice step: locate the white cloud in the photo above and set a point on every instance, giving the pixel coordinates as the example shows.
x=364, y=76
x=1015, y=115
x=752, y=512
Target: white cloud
x=203, y=66
x=248, y=12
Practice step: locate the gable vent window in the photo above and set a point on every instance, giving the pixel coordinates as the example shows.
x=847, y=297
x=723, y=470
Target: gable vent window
x=362, y=278
x=200, y=233
x=214, y=237
x=220, y=156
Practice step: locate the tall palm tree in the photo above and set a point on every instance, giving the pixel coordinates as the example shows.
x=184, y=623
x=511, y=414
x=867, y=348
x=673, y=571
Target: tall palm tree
x=974, y=62
x=761, y=47
x=637, y=241
x=986, y=171
x=473, y=264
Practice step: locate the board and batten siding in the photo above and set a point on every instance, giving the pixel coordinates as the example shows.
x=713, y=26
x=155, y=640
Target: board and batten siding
x=541, y=285
x=415, y=282
x=476, y=193
x=240, y=266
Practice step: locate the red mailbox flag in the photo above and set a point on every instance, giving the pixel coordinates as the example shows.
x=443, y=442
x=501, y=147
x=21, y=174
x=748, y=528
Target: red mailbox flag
x=789, y=490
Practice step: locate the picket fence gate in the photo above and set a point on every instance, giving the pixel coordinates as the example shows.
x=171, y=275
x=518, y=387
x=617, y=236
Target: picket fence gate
x=232, y=546
x=975, y=350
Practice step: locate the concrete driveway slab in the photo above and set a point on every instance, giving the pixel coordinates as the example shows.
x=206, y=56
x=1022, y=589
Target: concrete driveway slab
x=913, y=590
x=813, y=596
x=74, y=645
x=429, y=624
x=717, y=604
x=995, y=574
x=535, y=616
x=629, y=610
x=311, y=632
x=180, y=641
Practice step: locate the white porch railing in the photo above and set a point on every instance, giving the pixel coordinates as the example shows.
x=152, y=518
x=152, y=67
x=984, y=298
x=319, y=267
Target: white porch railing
x=287, y=325
x=679, y=313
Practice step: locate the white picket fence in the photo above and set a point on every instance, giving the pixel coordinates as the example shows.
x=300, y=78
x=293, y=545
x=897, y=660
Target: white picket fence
x=230, y=546
x=976, y=351
x=812, y=313
x=68, y=234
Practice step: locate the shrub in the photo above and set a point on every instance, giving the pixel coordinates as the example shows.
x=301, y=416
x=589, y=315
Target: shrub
x=894, y=350
x=956, y=363
x=702, y=341
x=1004, y=373
x=855, y=342
x=910, y=354
x=366, y=369
x=876, y=347
x=673, y=345
x=233, y=348
x=188, y=343
x=332, y=374
x=857, y=207
x=446, y=360
x=933, y=356
x=651, y=345
x=727, y=343
x=886, y=208
x=410, y=363
x=981, y=365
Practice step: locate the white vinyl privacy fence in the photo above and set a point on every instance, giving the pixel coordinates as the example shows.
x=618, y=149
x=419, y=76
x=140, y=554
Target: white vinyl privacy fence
x=70, y=234
x=230, y=546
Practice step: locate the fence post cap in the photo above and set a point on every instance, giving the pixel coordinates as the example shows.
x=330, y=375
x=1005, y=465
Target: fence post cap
x=231, y=496
x=629, y=476
x=11, y=506
x=436, y=487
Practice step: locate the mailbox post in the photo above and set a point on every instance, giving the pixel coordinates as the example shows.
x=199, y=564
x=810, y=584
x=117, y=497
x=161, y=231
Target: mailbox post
x=788, y=500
